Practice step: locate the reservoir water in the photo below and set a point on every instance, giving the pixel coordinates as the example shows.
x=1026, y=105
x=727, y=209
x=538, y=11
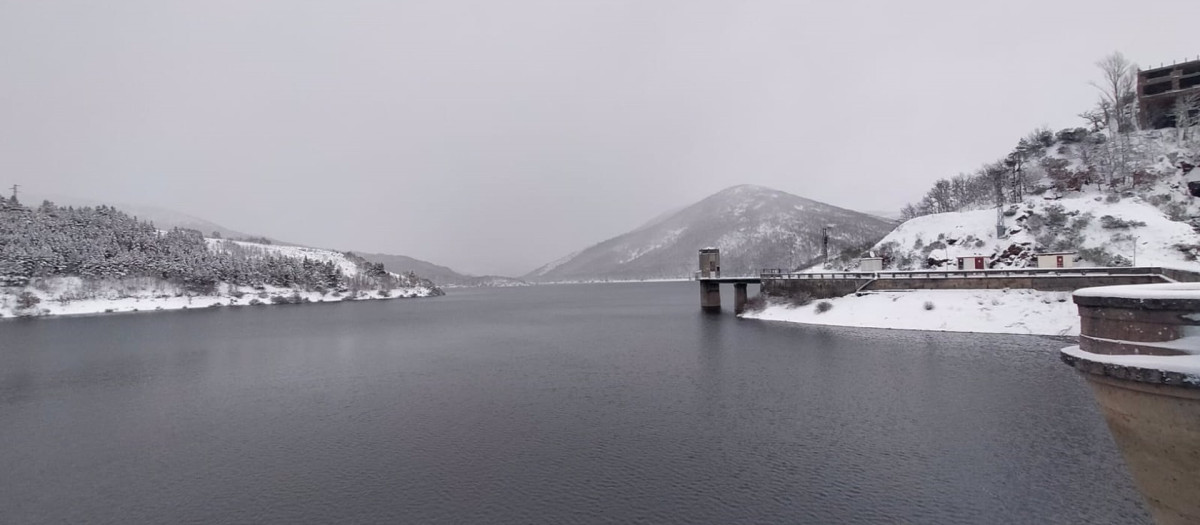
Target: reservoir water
x=617, y=403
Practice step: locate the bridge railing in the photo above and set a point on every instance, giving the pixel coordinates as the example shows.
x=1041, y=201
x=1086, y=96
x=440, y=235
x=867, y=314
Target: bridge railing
x=775, y=273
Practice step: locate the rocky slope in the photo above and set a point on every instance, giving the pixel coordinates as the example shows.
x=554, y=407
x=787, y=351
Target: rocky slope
x=1150, y=219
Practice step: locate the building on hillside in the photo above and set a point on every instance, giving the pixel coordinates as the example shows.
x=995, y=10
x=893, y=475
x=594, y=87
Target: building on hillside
x=1158, y=88
x=972, y=262
x=1056, y=260
x=870, y=264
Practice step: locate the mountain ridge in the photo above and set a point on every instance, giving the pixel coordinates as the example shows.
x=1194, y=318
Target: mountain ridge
x=166, y=219
x=440, y=275
x=754, y=226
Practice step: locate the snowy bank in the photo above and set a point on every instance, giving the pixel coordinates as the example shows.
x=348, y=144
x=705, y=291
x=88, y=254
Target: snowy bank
x=73, y=295
x=59, y=296
x=990, y=311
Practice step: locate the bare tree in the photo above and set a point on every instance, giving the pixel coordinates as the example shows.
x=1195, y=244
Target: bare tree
x=1117, y=94
x=1087, y=158
x=1186, y=114
x=1119, y=78
x=942, y=196
x=1015, y=162
x=960, y=191
x=1097, y=117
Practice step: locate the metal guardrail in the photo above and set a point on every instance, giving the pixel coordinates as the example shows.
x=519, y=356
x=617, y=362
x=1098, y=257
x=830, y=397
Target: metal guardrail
x=725, y=278
x=1171, y=273
x=779, y=274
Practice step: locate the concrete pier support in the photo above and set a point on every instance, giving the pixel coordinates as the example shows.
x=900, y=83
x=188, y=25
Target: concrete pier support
x=739, y=297
x=710, y=296
x=1137, y=351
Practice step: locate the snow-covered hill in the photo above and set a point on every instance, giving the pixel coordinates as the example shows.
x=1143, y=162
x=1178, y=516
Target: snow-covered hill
x=755, y=227
x=167, y=219
x=161, y=217
x=1116, y=200
x=1104, y=231
x=72, y=295
x=1119, y=233
x=1150, y=221
x=62, y=261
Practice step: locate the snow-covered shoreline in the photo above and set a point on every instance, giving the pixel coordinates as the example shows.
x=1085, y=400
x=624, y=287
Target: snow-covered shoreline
x=63, y=261
x=984, y=311
x=150, y=295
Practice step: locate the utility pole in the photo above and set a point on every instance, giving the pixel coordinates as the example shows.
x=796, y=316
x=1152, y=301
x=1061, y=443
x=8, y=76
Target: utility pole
x=1135, y=240
x=825, y=245
x=14, y=188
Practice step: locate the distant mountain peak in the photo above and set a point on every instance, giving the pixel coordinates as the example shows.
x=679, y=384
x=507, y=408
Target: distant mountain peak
x=749, y=191
x=754, y=227
x=748, y=188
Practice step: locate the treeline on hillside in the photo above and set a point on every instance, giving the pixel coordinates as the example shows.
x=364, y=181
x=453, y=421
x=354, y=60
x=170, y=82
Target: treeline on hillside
x=105, y=243
x=1109, y=153
x=1038, y=156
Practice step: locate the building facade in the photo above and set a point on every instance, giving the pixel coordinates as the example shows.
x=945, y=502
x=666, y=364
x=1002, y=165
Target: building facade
x=972, y=262
x=870, y=264
x=1056, y=260
x=710, y=263
x=1158, y=88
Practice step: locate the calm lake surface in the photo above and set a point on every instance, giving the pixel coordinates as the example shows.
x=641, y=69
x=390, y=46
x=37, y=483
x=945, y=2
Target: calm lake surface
x=617, y=403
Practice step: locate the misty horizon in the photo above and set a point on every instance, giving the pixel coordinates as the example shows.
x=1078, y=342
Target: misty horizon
x=496, y=138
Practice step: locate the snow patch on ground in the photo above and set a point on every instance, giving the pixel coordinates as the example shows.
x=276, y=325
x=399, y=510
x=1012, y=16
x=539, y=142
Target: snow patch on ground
x=347, y=266
x=991, y=311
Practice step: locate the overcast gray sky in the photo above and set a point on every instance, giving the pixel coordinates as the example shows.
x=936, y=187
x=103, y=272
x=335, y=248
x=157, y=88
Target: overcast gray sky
x=494, y=136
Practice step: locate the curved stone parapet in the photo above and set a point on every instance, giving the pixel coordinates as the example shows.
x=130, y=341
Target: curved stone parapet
x=1142, y=372
x=1139, y=350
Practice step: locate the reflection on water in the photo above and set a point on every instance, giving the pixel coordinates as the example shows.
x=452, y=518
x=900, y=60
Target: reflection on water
x=555, y=404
